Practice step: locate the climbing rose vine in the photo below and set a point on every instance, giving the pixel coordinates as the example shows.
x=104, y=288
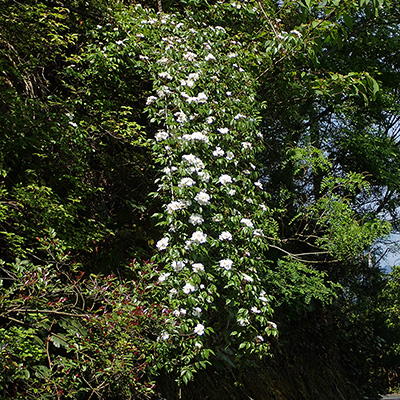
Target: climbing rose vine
x=215, y=217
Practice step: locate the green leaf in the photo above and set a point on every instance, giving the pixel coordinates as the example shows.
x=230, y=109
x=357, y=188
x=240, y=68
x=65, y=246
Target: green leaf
x=348, y=20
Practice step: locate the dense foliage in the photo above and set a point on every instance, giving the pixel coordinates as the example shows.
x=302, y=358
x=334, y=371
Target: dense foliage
x=193, y=185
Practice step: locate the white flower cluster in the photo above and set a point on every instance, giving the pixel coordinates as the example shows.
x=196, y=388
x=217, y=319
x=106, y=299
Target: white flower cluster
x=225, y=179
x=202, y=198
x=194, y=162
x=208, y=145
x=177, y=206
x=161, y=135
x=218, y=152
x=226, y=264
x=247, y=222
x=199, y=136
x=191, y=79
x=186, y=182
x=197, y=267
x=196, y=219
x=198, y=237
x=225, y=236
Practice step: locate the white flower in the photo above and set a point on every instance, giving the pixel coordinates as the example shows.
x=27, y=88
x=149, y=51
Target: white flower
x=197, y=267
x=178, y=265
x=173, y=292
x=218, y=152
x=194, y=75
x=168, y=170
x=194, y=161
x=247, y=145
x=232, y=55
x=217, y=218
x=191, y=99
x=232, y=192
x=186, y=182
x=196, y=219
x=183, y=311
x=225, y=236
x=223, y=130
x=258, y=232
x=163, y=277
x=73, y=124
x=247, y=278
x=280, y=36
x=200, y=136
x=119, y=42
x=163, y=91
x=243, y=321
x=188, y=83
x=161, y=135
x=204, y=175
x=297, y=33
x=199, y=329
x=272, y=325
x=260, y=338
x=262, y=297
x=180, y=117
x=201, y=98
x=165, y=75
x=226, y=264
x=239, y=116
x=162, y=60
x=164, y=336
x=247, y=222
x=202, y=198
x=190, y=56
x=255, y=310
x=229, y=155
x=197, y=312
x=209, y=57
x=258, y=184
x=199, y=237
x=229, y=93
x=188, y=288
x=162, y=244
x=210, y=120
x=176, y=206
x=224, y=179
